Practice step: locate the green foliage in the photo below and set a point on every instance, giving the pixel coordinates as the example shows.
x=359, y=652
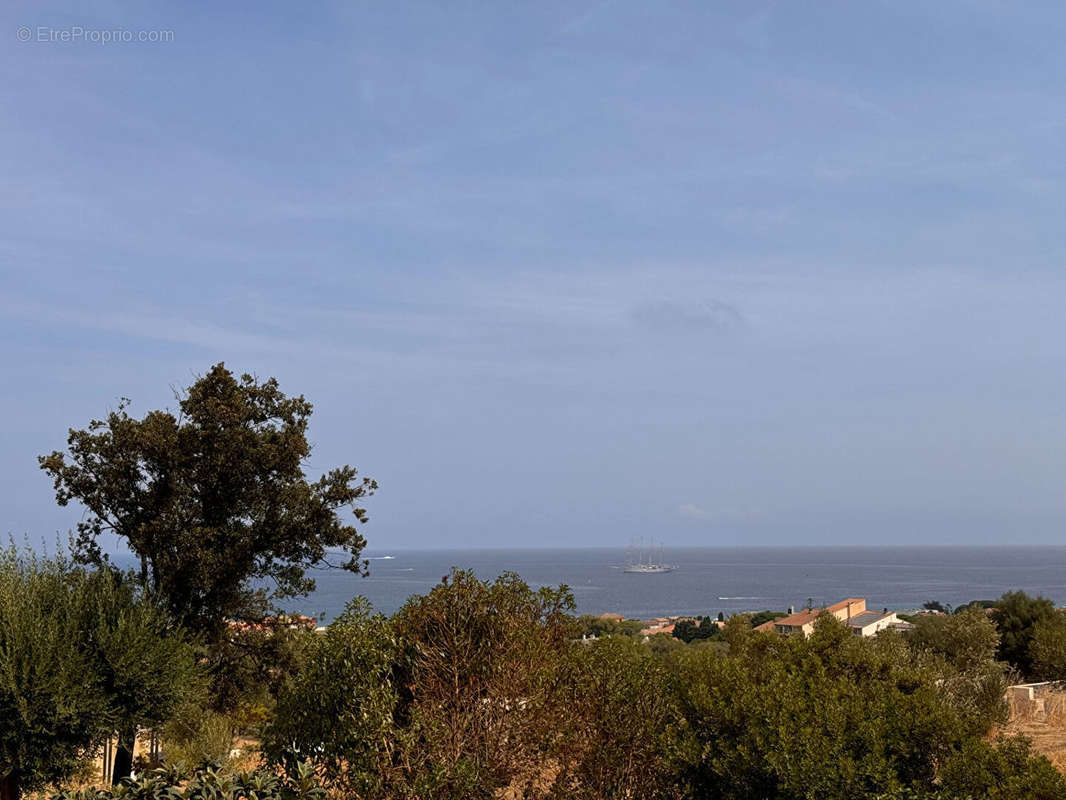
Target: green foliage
x=1005, y=770
x=663, y=644
x=481, y=666
x=965, y=641
x=198, y=735
x=249, y=664
x=594, y=626
x=478, y=690
x=146, y=666
x=1047, y=650
x=1016, y=615
x=834, y=717
x=337, y=710
x=625, y=730
x=52, y=709
x=976, y=605
x=967, y=644
x=458, y=696
x=762, y=617
x=688, y=630
x=247, y=669
x=82, y=654
x=737, y=631
x=211, y=499
x=631, y=628
x=685, y=630
x=208, y=783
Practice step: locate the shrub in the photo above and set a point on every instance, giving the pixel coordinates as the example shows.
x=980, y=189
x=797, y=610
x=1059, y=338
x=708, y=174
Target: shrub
x=480, y=684
x=1005, y=770
x=624, y=731
x=834, y=717
x=1016, y=615
x=337, y=711
x=207, y=783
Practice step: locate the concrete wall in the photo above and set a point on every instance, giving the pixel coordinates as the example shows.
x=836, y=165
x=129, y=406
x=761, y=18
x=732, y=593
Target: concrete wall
x=1036, y=702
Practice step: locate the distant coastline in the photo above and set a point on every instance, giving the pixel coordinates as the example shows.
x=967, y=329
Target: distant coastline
x=714, y=578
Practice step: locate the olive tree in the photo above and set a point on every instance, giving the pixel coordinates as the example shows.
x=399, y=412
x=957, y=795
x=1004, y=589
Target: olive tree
x=82, y=655
x=52, y=710
x=146, y=667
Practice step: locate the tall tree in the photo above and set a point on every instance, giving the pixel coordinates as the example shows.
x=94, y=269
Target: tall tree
x=213, y=499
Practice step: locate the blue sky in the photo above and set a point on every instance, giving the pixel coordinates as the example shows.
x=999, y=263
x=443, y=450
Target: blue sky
x=561, y=273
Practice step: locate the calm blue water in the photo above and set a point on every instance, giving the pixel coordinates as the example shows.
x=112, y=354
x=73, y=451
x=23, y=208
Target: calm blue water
x=709, y=580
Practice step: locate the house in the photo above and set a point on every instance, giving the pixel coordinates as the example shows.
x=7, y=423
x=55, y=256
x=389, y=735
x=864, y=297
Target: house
x=852, y=612
x=662, y=625
x=869, y=623
x=651, y=631
x=659, y=625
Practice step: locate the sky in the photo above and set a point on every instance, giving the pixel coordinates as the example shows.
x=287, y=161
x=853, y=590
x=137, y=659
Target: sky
x=559, y=273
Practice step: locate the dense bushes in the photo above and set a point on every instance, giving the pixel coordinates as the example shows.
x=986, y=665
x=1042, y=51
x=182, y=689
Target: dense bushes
x=339, y=707
x=485, y=690
x=624, y=735
x=835, y=716
x=1031, y=634
x=1005, y=770
x=458, y=696
x=477, y=689
x=481, y=690
x=1016, y=616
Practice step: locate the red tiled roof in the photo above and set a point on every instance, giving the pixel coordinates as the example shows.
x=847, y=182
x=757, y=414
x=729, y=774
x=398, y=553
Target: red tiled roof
x=805, y=617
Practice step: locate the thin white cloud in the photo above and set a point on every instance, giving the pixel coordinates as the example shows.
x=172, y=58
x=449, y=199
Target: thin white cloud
x=693, y=511
x=719, y=515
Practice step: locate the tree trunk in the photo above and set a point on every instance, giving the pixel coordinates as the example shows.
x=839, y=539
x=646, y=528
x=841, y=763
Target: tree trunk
x=9, y=787
x=123, y=756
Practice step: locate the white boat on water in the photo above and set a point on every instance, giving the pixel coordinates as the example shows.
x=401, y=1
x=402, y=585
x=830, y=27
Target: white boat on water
x=646, y=559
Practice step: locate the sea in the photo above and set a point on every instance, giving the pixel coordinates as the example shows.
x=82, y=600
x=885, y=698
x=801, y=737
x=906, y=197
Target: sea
x=711, y=580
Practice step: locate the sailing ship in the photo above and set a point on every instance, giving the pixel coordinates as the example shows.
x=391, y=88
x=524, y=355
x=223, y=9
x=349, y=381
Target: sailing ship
x=646, y=559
